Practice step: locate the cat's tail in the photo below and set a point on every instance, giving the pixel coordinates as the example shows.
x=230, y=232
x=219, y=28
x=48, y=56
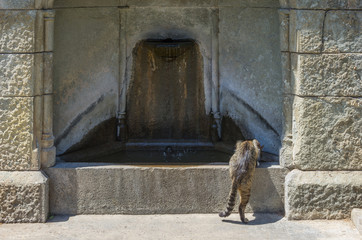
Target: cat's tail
x=231, y=201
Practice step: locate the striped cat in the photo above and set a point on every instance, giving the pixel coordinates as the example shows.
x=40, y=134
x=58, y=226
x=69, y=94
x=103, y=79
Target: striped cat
x=242, y=167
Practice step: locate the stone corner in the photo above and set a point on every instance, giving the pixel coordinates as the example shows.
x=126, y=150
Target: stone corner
x=24, y=197
x=322, y=194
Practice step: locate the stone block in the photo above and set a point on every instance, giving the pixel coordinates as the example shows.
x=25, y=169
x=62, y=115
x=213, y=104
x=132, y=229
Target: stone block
x=17, y=31
x=89, y=3
x=16, y=134
x=306, y=28
x=342, y=31
x=23, y=197
x=325, y=4
x=26, y=4
x=322, y=194
x=16, y=74
x=327, y=133
x=171, y=3
x=249, y=3
x=356, y=217
x=91, y=188
x=327, y=74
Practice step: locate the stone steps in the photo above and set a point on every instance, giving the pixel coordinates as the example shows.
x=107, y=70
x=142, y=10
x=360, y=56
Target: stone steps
x=99, y=188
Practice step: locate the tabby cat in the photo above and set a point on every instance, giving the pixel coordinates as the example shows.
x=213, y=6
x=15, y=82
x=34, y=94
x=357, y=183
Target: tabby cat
x=242, y=167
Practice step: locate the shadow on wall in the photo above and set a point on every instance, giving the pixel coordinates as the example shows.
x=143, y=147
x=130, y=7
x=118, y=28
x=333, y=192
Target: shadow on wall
x=251, y=123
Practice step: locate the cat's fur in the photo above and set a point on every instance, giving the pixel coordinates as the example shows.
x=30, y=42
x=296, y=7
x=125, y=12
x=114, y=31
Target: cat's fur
x=242, y=167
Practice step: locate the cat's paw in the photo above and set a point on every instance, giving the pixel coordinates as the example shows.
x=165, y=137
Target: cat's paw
x=245, y=220
x=223, y=214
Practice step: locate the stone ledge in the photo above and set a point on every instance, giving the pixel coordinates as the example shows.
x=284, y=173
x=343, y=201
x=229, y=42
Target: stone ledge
x=91, y=188
x=322, y=195
x=23, y=197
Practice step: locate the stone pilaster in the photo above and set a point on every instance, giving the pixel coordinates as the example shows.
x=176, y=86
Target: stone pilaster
x=25, y=109
x=324, y=82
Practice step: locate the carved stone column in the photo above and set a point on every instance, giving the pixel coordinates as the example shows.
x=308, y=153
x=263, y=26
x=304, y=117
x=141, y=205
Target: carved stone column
x=47, y=140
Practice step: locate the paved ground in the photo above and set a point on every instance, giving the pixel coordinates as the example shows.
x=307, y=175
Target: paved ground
x=190, y=226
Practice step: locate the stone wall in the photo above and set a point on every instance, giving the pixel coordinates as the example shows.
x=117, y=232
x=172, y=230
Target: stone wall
x=242, y=76
x=25, y=97
x=318, y=88
x=321, y=47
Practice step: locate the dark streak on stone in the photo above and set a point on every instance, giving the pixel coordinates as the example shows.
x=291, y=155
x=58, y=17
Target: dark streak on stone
x=252, y=110
x=77, y=119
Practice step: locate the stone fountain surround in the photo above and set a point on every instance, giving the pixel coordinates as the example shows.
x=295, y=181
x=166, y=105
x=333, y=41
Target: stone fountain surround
x=84, y=196
x=340, y=174
x=199, y=22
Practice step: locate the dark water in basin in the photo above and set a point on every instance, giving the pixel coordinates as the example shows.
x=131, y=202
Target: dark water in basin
x=163, y=157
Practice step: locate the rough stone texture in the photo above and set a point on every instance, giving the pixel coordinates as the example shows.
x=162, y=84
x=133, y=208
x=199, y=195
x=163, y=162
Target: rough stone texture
x=356, y=216
x=163, y=3
x=16, y=74
x=343, y=32
x=89, y=3
x=327, y=133
x=306, y=31
x=17, y=31
x=250, y=73
x=172, y=3
x=25, y=4
x=16, y=138
x=322, y=195
x=86, y=72
x=325, y=4
x=120, y=189
x=23, y=197
x=327, y=74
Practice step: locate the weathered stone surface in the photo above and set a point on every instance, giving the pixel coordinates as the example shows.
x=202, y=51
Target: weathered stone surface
x=86, y=72
x=356, y=217
x=249, y=3
x=327, y=74
x=342, y=31
x=327, y=133
x=26, y=4
x=325, y=4
x=250, y=73
x=16, y=138
x=306, y=31
x=16, y=74
x=17, y=31
x=83, y=188
x=89, y=3
x=322, y=195
x=23, y=197
x=284, y=29
x=172, y=3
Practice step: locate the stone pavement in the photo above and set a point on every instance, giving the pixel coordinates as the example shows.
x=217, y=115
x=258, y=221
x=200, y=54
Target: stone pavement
x=188, y=226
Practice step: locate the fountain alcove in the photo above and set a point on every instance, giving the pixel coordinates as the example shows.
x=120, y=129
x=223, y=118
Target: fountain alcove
x=146, y=106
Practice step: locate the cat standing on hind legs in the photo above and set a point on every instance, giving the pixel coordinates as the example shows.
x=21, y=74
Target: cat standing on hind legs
x=242, y=167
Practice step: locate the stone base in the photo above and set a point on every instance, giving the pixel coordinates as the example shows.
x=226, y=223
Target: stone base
x=93, y=188
x=322, y=194
x=23, y=197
